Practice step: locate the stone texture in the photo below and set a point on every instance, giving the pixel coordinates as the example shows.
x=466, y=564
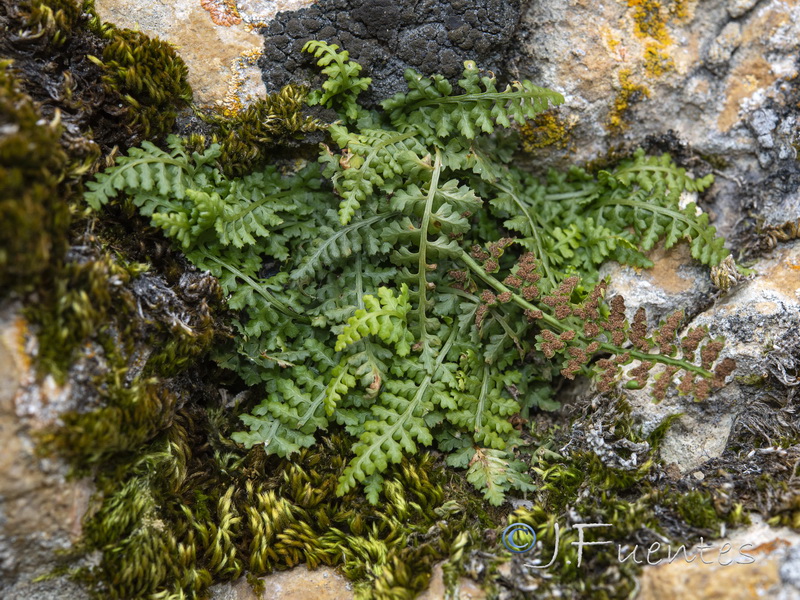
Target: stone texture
x=299, y=583
x=466, y=588
x=41, y=511
x=776, y=555
x=389, y=36
x=324, y=583
x=708, y=74
x=675, y=282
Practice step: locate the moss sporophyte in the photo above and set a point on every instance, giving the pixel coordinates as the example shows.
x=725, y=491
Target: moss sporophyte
x=407, y=314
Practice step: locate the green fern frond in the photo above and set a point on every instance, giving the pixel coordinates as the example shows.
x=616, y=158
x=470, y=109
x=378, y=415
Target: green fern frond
x=343, y=84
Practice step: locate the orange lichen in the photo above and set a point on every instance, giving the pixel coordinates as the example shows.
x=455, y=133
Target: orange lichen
x=223, y=12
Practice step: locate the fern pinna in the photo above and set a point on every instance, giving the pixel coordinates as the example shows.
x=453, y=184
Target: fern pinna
x=428, y=290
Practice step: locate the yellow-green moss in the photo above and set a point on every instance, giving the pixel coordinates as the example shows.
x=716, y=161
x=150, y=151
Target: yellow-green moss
x=629, y=93
x=34, y=216
x=149, y=77
x=247, y=137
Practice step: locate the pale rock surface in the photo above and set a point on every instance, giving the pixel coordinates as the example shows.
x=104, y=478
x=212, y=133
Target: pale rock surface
x=218, y=43
x=323, y=583
x=772, y=574
x=721, y=74
x=759, y=321
x=41, y=511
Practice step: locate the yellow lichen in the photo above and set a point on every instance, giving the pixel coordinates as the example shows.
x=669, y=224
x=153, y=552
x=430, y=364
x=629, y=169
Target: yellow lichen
x=546, y=129
x=649, y=20
x=235, y=98
x=629, y=93
x=679, y=9
x=611, y=40
x=656, y=61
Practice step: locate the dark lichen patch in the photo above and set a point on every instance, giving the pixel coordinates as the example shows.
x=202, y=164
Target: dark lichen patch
x=388, y=36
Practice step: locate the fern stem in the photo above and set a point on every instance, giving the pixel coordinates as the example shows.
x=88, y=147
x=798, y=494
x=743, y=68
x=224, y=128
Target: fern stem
x=493, y=96
x=272, y=300
x=541, y=254
x=423, y=245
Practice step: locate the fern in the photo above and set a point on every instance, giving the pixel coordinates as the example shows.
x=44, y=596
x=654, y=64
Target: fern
x=343, y=85
x=380, y=289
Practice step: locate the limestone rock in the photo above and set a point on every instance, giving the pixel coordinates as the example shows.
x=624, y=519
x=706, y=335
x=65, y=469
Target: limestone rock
x=41, y=511
x=215, y=38
x=300, y=583
x=675, y=282
x=758, y=320
x=467, y=589
x=700, y=70
x=729, y=574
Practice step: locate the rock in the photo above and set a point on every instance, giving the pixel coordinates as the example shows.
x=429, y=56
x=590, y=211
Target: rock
x=466, y=588
x=215, y=38
x=691, y=69
x=775, y=555
x=725, y=43
x=323, y=583
x=41, y=511
x=388, y=36
x=738, y=7
x=676, y=282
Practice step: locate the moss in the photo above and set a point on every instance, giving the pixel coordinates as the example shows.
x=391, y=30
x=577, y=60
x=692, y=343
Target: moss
x=144, y=80
x=697, y=510
x=248, y=137
x=185, y=516
x=75, y=308
x=547, y=129
x=149, y=77
x=34, y=216
x=629, y=93
x=752, y=379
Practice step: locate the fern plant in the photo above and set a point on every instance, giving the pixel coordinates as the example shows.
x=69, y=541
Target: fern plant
x=398, y=305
